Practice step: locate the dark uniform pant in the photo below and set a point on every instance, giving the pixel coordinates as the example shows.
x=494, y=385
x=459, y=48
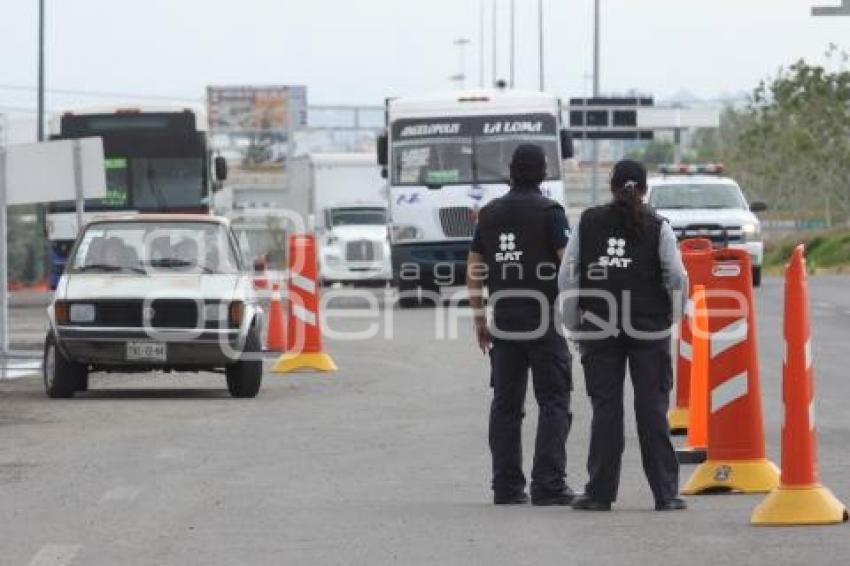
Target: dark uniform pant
x=604, y=363
x=549, y=360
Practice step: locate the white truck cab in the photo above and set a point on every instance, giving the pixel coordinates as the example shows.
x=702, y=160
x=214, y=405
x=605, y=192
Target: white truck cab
x=353, y=244
x=699, y=201
x=445, y=156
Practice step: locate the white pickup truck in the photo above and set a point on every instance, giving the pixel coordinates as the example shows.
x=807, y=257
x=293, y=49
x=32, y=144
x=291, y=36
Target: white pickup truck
x=700, y=202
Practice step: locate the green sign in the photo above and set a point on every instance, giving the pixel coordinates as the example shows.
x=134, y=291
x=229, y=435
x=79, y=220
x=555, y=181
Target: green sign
x=115, y=163
x=442, y=176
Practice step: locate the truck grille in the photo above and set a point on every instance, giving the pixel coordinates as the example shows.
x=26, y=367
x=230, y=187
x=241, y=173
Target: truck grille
x=457, y=221
x=718, y=234
x=363, y=250
x=167, y=313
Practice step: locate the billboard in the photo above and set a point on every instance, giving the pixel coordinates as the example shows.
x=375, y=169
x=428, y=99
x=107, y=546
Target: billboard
x=253, y=128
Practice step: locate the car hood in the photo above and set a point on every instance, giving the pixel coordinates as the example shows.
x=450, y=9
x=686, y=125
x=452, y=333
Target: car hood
x=726, y=217
x=125, y=286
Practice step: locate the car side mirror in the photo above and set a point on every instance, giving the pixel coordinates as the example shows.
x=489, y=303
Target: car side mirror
x=567, y=148
x=758, y=206
x=220, y=166
x=382, y=147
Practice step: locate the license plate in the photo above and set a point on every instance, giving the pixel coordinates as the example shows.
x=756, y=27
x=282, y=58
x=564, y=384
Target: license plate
x=146, y=351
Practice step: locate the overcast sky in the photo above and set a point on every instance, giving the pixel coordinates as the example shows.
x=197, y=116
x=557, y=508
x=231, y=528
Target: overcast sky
x=361, y=51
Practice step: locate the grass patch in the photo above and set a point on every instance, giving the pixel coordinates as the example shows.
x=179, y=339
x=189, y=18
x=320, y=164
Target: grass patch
x=827, y=251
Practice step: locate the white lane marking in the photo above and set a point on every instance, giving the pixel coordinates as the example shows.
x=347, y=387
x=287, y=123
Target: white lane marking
x=729, y=336
x=55, y=555
x=685, y=350
x=125, y=493
x=304, y=283
x=729, y=391
x=306, y=316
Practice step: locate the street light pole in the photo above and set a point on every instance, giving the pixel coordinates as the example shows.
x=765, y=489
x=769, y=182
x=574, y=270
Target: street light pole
x=461, y=44
x=513, y=43
x=495, y=41
x=594, y=182
x=481, y=46
x=40, y=109
x=540, y=43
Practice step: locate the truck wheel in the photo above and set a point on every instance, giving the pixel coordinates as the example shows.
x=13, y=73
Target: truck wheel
x=245, y=376
x=756, y=276
x=62, y=377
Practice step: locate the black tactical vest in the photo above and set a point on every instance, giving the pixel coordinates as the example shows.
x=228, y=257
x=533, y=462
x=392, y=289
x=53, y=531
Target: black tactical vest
x=613, y=262
x=520, y=258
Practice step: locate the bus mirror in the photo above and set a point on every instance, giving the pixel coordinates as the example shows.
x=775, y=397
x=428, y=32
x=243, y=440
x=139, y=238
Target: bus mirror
x=382, y=147
x=758, y=206
x=567, y=148
x=384, y=173
x=220, y=165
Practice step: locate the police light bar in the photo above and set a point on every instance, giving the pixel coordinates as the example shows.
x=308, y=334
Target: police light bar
x=692, y=169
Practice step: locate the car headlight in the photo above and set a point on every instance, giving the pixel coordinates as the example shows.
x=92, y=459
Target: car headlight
x=405, y=232
x=81, y=312
x=751, y=230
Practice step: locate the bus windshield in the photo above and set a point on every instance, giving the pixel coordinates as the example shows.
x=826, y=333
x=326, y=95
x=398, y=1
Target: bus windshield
x=468, y=150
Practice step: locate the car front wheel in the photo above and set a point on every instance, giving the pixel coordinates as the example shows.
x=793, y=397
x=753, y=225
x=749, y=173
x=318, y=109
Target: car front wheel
x=245, y=376
x=62, y=377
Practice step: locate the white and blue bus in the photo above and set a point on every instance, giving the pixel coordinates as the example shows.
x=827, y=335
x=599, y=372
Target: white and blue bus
x=156, y=160
x=445, y=157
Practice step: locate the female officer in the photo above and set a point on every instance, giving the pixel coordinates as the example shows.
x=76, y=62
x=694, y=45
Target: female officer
x=625, y=284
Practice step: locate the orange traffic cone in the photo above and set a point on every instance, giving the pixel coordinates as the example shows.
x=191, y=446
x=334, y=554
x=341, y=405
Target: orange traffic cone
x=304, y=346
x=736, y=448
x=696, y=255
x=276, y=340
x=695, y=447
x=800, y=499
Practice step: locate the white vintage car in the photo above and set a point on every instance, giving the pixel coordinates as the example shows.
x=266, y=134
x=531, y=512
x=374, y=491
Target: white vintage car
x=154, y=292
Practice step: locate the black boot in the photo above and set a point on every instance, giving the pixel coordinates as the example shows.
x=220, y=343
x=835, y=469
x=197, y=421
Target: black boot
x=519, y=498
x=548, y=498
x=587, y=503
x=674, y=504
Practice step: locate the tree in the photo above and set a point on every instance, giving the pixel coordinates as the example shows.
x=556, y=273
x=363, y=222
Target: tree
x=791, y=145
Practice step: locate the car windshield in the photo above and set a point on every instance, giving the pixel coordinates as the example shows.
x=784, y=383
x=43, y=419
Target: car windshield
x=358, y=216
x=696, y=195
x=147, y=247
x=468, y=150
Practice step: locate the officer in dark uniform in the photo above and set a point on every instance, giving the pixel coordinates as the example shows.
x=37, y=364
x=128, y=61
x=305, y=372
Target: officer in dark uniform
x=516, y=251
x=625, y=263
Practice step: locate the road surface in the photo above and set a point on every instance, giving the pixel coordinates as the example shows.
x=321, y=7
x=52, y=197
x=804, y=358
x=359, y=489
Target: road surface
x=384, y=462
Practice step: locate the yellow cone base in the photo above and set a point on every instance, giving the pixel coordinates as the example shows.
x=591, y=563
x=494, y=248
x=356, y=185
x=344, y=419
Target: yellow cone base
x=814, y=505
x=678, y=418
x=317, y=361
x=745, y=476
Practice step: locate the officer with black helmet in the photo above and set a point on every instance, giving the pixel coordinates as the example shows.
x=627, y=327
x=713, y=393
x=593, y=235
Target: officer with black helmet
x=516, y=250
x=624, y=285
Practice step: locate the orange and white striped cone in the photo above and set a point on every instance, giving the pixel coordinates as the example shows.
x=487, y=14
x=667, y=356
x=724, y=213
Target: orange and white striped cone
x=694, y=451
x=696, y=255
x=800, y=499
x=736, y=446
x=304, y=335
